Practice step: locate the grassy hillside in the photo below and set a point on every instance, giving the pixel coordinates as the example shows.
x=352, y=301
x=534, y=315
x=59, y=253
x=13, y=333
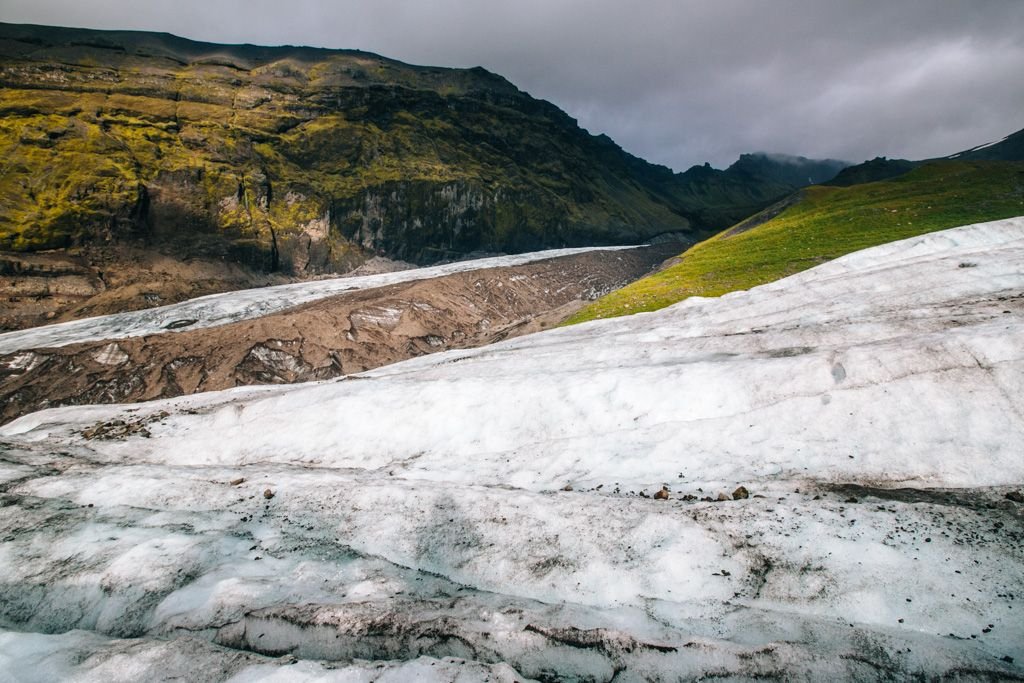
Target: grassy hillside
x=823, y=223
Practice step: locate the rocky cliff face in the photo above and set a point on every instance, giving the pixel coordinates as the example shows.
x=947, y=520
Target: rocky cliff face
x=305, y=160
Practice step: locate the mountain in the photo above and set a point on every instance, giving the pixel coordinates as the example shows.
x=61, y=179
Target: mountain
x=1010, y=148
x=879, y=168
x=710, y=197
x=821, y=223
x=785, y=170
x=307, y=160
x=817, y=480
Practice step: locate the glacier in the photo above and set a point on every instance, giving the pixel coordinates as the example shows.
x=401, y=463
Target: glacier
x=245, y=304
x=491, y=514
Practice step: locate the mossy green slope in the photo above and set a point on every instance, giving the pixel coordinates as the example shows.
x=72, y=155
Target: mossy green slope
x=306, y=158
x=297, y=155
x=823, y=223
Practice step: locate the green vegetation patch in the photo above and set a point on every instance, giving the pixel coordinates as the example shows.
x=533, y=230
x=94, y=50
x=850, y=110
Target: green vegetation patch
x=826, y=223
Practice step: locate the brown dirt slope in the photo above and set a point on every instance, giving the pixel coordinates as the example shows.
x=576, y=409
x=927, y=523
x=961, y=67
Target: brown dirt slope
x=55, y=286
x=346, y=334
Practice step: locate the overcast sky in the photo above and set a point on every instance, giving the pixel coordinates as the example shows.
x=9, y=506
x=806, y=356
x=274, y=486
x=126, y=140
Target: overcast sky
x=678, y=82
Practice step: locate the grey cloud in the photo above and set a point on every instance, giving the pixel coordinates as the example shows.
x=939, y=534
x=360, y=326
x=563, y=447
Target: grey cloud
x=677, y=82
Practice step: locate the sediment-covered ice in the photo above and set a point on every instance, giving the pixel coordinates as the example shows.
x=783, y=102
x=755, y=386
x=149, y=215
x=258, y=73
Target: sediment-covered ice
x=491, y=513
x=245, y=304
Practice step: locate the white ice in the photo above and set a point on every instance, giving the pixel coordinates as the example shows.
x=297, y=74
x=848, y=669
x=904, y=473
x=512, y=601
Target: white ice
x=873, y=406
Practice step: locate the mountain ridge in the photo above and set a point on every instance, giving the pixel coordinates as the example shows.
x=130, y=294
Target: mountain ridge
x=1008, y=148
